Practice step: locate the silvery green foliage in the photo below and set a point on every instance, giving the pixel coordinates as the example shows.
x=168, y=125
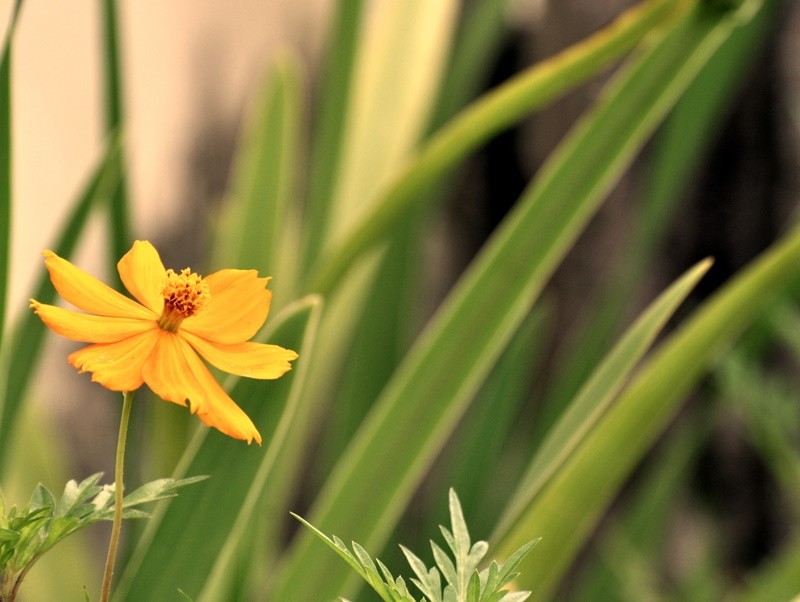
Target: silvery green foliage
x=463, y=582
x=28, y=533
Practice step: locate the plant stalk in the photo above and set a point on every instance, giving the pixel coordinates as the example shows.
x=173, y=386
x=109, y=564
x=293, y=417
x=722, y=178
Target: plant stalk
x=127, y=403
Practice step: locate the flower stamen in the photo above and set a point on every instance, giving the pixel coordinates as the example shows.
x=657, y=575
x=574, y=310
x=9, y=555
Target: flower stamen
x=184, y=295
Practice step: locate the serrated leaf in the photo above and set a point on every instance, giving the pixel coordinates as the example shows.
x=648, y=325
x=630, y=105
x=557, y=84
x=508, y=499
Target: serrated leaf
x=445, y=564
x=157, y=490
x=429, y=585
x=507, y=571
x=474, y=588
x=459, y=526
x=364, y=558
x=516, y=597
x=337, y=546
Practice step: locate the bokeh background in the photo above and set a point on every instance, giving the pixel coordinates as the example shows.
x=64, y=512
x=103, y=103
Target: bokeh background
x=191, y=71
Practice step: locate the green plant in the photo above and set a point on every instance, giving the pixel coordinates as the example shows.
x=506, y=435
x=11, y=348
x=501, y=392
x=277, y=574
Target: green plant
x=463, y=582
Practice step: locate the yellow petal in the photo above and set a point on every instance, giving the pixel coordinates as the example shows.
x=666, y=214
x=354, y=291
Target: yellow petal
x=117, y=366
x=238, y=306
x=143, y=274
x=175, y=373
x=88, y=293
x=88, y=328
x=253, y=360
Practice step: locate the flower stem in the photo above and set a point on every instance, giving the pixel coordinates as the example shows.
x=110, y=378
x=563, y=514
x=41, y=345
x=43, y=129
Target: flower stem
x=127, y=402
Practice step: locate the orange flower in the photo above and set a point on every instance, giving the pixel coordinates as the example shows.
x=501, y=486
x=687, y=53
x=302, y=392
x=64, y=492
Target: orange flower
x=156, y=341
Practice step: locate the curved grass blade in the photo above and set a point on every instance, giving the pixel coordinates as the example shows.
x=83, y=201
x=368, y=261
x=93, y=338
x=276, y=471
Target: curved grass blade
x=178, y=548
x=244, y=541
x=5, y=167
x=263, y=176
x=337, y=75
x=26, y=340
x=484, y=118
x=401, y=55
x=118, y=218
x=676, y=151
x=417, y=411
x=564, y=511
x=589, y=407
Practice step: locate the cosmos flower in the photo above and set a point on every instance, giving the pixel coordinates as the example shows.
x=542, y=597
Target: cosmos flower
x=156, y=339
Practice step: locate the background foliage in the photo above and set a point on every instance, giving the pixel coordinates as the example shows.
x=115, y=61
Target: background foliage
x=614, y=423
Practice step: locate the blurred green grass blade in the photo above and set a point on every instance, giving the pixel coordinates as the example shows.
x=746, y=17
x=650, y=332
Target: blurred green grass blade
x=22, y=351
x=383, y=325
x=476, y=45
x=784, y=322
x=263, y=175
x=243, y=537
x=182, y=543
x=326, y=146
x=567, y=509
x=388, y=323
x=476, y=460
x=429, y=392
x=591, y=404
x=5, y=180
x=771, y=416
x=643, y=526
x=119, y=220
x=676, y=152
x=489, y=115
x=400, y=57
x=5, y=168
x=778, y=579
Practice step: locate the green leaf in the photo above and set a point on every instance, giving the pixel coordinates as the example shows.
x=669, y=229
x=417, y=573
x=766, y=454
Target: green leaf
x=595, y=398
x=118, y=219
x=676, y=152
x=5, y=179
x=777, y=579
x=157, y=490
x=5, y=163
x=565, y=511
x=257, y=210
x=177, y=549
x=483, y=119
x=417, y=411
x=22, y=351
x=336, y=74
x=401, y=53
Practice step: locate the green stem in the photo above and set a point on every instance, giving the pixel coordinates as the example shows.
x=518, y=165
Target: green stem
x=127, y=402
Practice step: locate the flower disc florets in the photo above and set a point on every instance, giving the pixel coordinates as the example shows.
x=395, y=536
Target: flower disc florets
x=184, y=295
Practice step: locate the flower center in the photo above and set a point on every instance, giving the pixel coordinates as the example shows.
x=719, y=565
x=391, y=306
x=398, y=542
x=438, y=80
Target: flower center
x=184, y=295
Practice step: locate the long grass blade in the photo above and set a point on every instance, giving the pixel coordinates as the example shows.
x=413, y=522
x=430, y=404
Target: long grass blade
x=401, y=55
x=484, y=118
x=26, y=340
x=178, y=549
x=119, y=220
x=418, y=409
x=259, y=202
x=5, y=180
x=593, y=401
x=5, y=168
x=243, y=541
x=564, y=512
x=676, y=152
x=328, y=132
